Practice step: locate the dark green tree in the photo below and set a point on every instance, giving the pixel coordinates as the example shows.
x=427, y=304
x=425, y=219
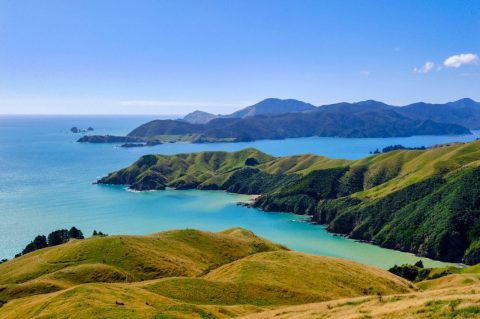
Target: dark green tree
x=76, y=233
x=408, y=272
x=58, y=237
x=39, y=242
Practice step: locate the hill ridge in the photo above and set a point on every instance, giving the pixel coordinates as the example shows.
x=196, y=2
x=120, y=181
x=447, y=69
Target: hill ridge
x=364, y=199
x=86, y=278
x=279, y=119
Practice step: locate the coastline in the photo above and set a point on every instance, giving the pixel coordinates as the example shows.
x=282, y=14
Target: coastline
x=251, y=200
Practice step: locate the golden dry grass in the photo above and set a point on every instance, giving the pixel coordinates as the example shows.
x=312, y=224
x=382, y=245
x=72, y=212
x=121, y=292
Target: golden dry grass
x=322, y=278
x=132, y=258
x=455, y=302
x=178, y=274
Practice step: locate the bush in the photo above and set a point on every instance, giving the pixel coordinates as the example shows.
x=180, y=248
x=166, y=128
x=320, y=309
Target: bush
x=409, y=272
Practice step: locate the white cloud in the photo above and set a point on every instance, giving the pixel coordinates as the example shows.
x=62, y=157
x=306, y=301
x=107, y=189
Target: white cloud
x=365, y=73
x=427, y=67
x=456, y=61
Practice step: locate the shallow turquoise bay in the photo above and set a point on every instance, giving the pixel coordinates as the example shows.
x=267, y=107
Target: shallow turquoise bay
x=46, y=183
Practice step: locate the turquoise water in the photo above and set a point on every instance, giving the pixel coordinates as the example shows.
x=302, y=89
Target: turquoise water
x=46, y=183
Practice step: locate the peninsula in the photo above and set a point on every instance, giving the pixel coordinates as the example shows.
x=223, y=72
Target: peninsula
x=420, y=201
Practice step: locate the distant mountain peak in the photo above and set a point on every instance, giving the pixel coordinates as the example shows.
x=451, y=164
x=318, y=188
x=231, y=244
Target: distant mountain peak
x=199, y=117
x=196, y=112
x=370, y=103
x=272, y=106
x=465, y=102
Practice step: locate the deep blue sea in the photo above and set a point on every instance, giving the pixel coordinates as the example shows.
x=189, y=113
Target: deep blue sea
x=46, y=184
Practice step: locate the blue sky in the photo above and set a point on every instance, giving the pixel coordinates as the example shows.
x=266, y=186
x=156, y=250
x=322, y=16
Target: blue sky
x=171, y=57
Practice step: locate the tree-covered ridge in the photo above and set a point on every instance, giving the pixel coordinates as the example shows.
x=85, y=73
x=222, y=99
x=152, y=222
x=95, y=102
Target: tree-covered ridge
x=279, y=119
x=330, y=121
x=276, y=119
x=422, y=201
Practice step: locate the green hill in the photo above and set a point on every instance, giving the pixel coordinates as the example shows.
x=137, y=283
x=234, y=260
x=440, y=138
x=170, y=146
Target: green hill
x=421, y=201
x=178, y=274
x=133, y=258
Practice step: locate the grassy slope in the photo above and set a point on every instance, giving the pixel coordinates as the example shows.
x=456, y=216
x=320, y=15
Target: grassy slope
x=184, y=169
x=279, y=278
x=126, y=259
x=457, y=303
x=384, y=173
x=452, y=296
x=178, y=274
x=408, y=167
x=209, y=168
x=282, y=268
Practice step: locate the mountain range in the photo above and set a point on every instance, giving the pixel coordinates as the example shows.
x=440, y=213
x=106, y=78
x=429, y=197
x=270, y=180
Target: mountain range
x=266, y=107
x=462, y=112
x=279, y=119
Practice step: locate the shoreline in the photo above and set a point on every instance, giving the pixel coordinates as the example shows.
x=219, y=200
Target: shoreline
x=250, y=201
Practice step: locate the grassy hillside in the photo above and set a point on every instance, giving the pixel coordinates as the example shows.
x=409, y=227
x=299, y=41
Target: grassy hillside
x=178, y=274
x=183, y=170
x=280, y=278
x=422, y=201
x=454, y=296
x=300, y=273
x=458, y=302
x=211, y=170
x=126, y=259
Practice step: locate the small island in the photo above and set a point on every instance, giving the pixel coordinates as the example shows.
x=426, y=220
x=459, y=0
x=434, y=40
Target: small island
x=76, y=130
x=148, y=143
x=94, y=139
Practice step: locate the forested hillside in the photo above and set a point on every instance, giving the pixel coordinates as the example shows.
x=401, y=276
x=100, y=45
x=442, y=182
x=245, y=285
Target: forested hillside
x=423, y=201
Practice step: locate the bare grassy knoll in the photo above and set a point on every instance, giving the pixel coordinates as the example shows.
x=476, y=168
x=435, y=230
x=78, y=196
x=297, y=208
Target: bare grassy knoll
x=179, y=274
x=452, y=296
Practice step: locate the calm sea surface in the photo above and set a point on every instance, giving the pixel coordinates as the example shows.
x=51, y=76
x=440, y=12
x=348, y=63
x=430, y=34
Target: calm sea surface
x=46, y=184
